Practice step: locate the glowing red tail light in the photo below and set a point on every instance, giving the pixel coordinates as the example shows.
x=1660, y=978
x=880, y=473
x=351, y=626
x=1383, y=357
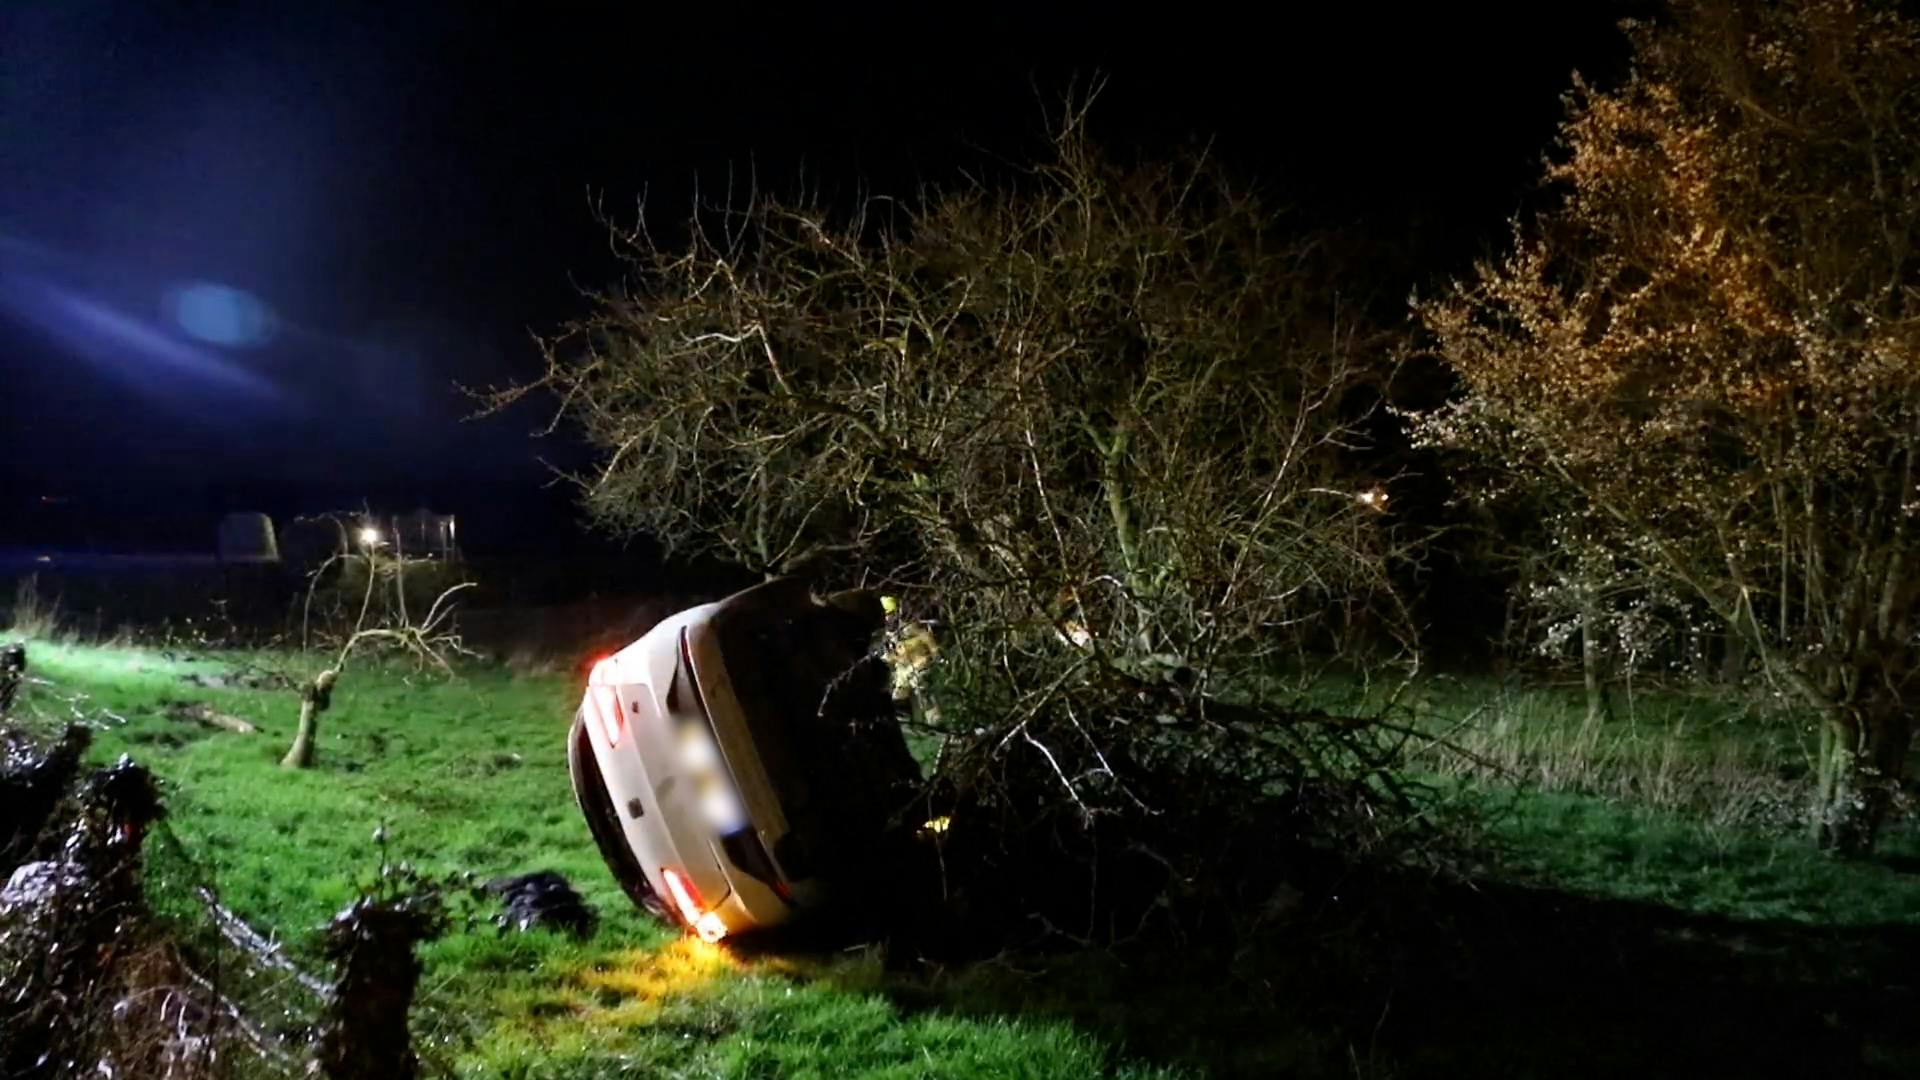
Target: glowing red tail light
x=687, y=898
x=606, y=700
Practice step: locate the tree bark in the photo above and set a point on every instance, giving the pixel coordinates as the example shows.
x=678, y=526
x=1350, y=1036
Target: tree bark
x=314, y=700
x=1863, y=760
x=1733, y=661
x=1593, y=668
x=1113, y=457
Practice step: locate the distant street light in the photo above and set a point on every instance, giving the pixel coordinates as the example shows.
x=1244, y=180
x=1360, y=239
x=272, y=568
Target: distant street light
x=369, y=537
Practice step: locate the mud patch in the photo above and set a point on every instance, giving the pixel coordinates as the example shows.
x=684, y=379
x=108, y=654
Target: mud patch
x=201, y=714
x=249, y=679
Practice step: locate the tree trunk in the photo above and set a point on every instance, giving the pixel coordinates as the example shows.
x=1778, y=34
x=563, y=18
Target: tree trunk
x=1503, y=652
x=1733, y=662
x=1113, y=480
x=1863, y=759
x=374, y=945
x=1593, y=669
x=314, y=700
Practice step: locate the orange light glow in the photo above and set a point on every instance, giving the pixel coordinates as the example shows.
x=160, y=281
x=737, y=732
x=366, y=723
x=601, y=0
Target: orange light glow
x=687, y=898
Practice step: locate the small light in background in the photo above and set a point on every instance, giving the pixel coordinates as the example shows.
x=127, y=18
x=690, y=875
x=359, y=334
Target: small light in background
x=369, y=537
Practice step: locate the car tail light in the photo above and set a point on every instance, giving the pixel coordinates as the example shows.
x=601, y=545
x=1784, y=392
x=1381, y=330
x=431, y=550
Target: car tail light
x=710, y=928
x=687, y=898
x=606, y=704
x=606, y=700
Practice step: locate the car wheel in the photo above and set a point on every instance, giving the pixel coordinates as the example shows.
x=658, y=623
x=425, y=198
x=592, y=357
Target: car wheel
x=596, y=805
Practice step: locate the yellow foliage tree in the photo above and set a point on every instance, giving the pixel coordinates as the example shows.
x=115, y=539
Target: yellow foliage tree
x=1712, y=344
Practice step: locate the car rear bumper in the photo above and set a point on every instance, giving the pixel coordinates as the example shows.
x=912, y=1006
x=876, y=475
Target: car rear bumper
x=656, y=814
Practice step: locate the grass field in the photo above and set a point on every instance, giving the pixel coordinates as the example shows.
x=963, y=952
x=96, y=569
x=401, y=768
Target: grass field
x=1661, y=928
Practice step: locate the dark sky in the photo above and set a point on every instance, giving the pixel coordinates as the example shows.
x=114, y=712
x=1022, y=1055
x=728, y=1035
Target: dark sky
x=353, y=205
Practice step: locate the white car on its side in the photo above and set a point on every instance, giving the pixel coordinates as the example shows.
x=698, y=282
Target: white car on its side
x=705, y=761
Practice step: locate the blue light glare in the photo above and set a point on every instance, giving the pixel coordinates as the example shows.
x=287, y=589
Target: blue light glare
x=97, y=330
x=222, y=315
x=140, y=353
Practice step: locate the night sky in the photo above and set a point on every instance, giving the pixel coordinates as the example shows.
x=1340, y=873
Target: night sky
x=247, y=250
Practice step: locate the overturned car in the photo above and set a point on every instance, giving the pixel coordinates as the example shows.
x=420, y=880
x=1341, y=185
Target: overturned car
x=738, y=762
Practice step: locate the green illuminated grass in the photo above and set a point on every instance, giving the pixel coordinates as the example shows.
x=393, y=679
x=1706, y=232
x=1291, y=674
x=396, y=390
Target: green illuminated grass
x=1590, y=846
x=469, y=775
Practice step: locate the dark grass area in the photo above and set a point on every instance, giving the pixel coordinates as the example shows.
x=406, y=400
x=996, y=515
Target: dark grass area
x=1607, y=939
x=1503, y=982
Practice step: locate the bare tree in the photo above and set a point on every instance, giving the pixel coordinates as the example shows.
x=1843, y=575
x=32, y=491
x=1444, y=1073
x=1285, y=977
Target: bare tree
x=383, y=623
x=1711, y=348
x=1094, y=426
x=1575, y=592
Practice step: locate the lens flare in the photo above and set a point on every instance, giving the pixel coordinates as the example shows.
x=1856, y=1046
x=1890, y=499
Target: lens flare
x=222, y=315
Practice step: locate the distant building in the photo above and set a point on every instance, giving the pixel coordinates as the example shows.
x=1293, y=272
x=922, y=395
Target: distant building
x=247, y=538
x=306, y=543
x=423, y=534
